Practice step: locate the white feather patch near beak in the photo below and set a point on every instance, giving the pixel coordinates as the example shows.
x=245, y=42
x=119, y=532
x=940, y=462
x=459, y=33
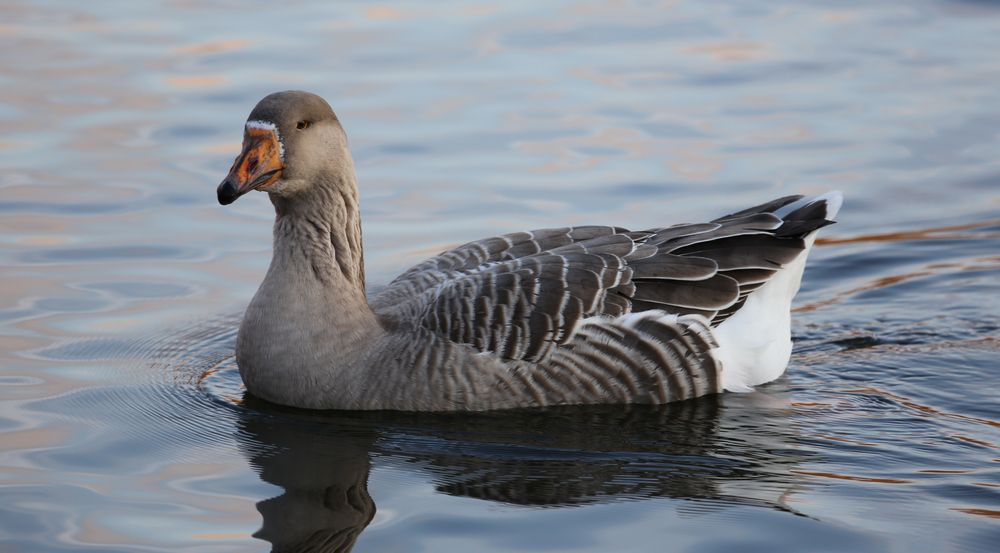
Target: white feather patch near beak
x=269, y=126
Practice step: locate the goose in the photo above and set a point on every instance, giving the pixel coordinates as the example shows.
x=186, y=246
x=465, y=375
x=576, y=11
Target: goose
x=556, y=316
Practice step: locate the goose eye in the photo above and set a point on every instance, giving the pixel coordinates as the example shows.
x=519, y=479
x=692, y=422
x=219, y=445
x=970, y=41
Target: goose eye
x=302, y=125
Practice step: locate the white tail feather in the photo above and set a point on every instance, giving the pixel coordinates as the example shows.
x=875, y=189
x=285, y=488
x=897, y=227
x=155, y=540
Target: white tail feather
x=834, y=199
x=755, y=343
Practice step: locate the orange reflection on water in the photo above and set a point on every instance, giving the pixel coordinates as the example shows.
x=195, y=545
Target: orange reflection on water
x=883, y=282
x=223, y=536
x=851, y=478
x=933, y=233
x=979, y=512
x=222, y=148
x=35, y=438
x=214, y=47
x=973, y=441
x=925, y=409
x=845, y=440
x=973, y=264
x=197, y=81
x=840, y=16
x=730, y=51
x=383, y=12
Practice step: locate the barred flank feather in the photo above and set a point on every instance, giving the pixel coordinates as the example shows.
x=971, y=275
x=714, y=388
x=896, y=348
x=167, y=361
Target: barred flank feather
x=646, y=357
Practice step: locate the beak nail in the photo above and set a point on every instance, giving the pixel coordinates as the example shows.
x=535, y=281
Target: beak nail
x=228, y=192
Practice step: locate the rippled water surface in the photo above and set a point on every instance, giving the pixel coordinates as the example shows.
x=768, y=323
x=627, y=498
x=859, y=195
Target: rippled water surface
x=123, y=425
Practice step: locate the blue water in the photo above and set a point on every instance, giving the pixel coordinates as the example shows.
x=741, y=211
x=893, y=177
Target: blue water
x=123, y=424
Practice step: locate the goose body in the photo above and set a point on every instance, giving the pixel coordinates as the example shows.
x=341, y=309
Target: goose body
x=558, y=316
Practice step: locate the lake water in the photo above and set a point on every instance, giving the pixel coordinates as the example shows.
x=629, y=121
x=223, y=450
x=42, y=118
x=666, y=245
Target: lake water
x=123, y=426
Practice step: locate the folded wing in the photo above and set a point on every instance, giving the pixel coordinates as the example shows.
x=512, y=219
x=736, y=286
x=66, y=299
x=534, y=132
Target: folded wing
x=524, y=295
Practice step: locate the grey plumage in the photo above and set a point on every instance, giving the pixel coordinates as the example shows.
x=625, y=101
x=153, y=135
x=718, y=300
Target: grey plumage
x=556, y=316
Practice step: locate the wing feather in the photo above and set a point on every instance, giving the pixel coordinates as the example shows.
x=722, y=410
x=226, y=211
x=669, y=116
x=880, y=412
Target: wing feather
x=714, y=293
x=641, y=358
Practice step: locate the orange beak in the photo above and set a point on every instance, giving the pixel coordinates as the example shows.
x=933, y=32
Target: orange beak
x=258, y=165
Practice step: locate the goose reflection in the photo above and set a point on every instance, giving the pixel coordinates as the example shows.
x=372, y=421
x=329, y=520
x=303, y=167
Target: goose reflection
x=324, y=476
x=720, y=455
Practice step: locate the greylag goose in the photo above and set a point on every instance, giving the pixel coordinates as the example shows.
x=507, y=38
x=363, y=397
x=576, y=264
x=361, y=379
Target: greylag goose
x=558, y=316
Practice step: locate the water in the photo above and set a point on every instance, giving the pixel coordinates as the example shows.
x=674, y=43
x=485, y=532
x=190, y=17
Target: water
x=124, y=427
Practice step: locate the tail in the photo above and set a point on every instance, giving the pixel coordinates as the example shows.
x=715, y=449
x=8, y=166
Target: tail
x=755, y=343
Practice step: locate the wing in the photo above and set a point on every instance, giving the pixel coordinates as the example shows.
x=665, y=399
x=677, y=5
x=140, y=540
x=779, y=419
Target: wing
x=522, y=295
x=522, y=306
x=405, y=296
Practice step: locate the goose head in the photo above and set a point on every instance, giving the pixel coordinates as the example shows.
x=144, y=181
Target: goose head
x=291, y=141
